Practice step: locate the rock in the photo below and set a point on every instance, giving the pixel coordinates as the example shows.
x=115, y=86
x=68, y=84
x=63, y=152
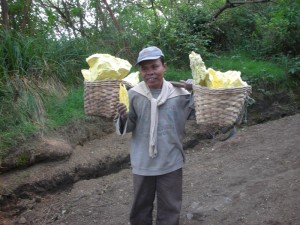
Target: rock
x=189, y=216
x=22, y=220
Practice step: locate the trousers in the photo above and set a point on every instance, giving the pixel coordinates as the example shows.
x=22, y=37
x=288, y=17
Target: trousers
x=167, y=189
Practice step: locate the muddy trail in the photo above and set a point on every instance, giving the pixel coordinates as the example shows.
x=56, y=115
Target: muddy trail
x=81, y=174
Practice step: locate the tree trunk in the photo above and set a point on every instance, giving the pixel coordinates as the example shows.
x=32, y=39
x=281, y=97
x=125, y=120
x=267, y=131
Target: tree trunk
x=101, y=16
x=117, y=25
x=4, y=14
x=81, y=19
x=26, y=11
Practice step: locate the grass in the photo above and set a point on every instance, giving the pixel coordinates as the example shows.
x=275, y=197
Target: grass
x=173, y=74
x=13, y=136
x=64, y=110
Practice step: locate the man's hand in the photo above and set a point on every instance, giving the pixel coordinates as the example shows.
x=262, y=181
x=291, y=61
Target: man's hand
x=121, y=109
x=188, y=84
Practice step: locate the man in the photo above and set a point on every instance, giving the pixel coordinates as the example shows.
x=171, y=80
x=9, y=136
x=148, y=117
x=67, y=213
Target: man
x=157, y=115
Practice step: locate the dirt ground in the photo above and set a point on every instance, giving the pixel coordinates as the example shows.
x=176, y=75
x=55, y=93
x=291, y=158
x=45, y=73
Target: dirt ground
x=253, y=178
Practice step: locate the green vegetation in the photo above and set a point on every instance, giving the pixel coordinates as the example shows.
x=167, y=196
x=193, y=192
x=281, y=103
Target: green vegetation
x=41, y=57
x=23, y=159
x=173, y=74
x=63, y=110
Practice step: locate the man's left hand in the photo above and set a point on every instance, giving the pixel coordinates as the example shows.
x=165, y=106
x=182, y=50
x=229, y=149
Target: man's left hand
x=188, y=84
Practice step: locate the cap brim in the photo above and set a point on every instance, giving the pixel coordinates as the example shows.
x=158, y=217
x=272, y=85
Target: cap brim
x=148, y=58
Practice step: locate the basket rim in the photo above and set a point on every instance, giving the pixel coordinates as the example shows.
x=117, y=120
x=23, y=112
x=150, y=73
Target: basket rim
x=99, y=82
x=199, y=88
x=221, y=89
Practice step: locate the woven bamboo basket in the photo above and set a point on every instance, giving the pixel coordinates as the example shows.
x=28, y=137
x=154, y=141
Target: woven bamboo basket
x=219, y=107
x=101, y=97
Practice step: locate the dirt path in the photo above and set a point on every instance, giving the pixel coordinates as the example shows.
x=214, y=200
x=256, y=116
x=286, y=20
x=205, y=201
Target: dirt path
x=250, y=179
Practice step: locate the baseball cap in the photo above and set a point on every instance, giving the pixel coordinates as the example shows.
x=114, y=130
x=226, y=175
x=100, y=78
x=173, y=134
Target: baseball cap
x=149, y=53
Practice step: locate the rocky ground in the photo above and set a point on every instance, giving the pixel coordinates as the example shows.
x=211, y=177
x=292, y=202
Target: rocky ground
x=82, y=176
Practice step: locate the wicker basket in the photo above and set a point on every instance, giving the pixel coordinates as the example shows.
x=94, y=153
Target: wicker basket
x=101, y=97
x=219, y=107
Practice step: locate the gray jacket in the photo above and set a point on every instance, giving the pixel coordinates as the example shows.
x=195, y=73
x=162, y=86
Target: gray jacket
x=170, y=132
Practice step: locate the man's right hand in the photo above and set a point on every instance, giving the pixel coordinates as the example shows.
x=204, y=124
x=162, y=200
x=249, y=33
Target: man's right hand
x=121, y=109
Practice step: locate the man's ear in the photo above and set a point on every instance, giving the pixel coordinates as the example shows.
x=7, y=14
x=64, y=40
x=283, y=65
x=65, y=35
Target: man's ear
x=165, y=66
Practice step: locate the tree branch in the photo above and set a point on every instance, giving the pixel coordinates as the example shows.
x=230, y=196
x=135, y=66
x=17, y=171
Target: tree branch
x=229, y=4
x=112, y=16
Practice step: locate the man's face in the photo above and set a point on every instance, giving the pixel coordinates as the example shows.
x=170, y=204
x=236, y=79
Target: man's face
x=152, y=72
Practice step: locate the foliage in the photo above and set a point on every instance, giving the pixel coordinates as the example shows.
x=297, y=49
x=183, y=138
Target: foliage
x=176, y=28
x=279, y=29
x=242, y=25
x=293, y=66
x=261, y=29
x=188, y=31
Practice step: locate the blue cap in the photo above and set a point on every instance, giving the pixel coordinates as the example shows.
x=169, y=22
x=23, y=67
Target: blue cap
x=149, y=53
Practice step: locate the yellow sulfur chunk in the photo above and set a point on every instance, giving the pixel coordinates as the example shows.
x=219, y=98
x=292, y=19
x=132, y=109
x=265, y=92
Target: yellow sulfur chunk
x=212, y=78
x=132, y=78
x=198, y=68
x=235, y=79
x=217, y=79
x=86, y=74
x=105, y=67
x=123, y=96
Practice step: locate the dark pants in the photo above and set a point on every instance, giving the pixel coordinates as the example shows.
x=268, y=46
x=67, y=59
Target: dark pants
x=168, y=188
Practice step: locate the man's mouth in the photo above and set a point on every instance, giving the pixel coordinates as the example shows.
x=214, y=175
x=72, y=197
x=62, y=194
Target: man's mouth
x=151, y=78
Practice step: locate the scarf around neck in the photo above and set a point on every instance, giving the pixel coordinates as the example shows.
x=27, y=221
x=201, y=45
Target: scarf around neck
x=168, y=91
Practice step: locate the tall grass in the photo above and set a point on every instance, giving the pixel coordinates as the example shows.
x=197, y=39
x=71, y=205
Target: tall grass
x=31, y=70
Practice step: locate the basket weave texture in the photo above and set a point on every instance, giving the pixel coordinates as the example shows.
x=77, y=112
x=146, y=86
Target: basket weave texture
x=101, y=97
x=219, y=107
